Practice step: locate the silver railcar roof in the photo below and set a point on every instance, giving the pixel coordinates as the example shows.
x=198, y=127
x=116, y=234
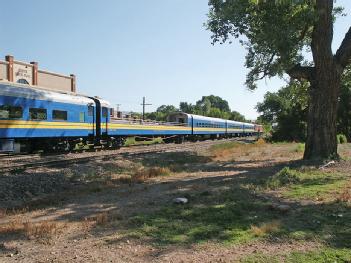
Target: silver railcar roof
x=25, y=91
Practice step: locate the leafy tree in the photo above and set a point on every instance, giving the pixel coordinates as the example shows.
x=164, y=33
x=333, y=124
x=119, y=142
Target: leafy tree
x=277, y=35
x=287, y=111
x=215, y=102
x=186, y=107
x=161, y=113
x=344, y=110
x=236, y=116
x=203, y=106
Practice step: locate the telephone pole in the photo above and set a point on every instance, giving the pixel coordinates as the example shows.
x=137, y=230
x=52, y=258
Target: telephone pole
x=144, y=104
x=117, y=110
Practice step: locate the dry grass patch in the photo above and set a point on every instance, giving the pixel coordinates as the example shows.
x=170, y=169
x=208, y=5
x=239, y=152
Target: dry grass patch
x=142, y=174
x=100, y=219
x=3, y=212
x=266, y=228
x=44, y=229
x=227, y=151
x=345, y=196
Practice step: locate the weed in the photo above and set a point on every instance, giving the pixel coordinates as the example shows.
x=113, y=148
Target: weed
x=341, y=138
x=3, y=212
x=283, y=177
x=131, y=141
x=266, y=228
x=345, y=196
x=260, y=142
x=141, y=174
x=43, y=229
x=300, y=147
x=11, y=227
x=101, y=219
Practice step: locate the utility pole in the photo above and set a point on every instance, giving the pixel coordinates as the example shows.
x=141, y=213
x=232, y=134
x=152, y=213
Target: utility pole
x=117, y=109
x=144, y=104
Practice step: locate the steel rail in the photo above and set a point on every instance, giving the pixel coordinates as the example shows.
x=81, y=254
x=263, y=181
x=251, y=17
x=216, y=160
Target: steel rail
x=55, y=160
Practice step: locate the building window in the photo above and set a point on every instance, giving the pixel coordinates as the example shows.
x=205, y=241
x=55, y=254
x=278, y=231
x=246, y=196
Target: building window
x=10, y=112
x=22, y=81
x=59, y=115
x=37, y=114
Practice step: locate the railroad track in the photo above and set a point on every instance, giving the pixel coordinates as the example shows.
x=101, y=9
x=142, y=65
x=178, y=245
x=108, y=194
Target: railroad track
x=15, y=162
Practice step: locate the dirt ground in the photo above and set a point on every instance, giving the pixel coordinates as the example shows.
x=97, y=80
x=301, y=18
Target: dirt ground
x=82, y=213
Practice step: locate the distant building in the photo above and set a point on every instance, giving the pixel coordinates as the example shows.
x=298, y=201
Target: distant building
x=29, y=73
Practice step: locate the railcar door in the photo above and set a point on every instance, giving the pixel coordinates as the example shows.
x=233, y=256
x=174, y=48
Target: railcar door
x=97, y=118
x=104, y=120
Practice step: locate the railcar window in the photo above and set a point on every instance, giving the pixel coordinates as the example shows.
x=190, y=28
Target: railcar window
x=90, y=111
x=10, y=112
x=104, y=112
x=37, y=114
x=81, y=117
x=59, y=115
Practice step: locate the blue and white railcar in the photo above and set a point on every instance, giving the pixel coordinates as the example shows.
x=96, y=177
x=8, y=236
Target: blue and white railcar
x=235, y=128
x=146, y=128
x=249, y=129
x=200, y=125
x=27, y=114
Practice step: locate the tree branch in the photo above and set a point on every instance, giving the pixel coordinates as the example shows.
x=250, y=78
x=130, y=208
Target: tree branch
x=343, y=55
x=301, y=72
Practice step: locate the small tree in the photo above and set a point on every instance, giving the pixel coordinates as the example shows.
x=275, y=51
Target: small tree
x=277, y=34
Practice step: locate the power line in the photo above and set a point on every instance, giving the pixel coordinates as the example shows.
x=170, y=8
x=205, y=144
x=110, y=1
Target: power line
x=144, y=104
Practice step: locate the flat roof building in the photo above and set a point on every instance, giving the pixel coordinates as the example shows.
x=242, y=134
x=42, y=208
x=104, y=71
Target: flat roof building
x=30, y=74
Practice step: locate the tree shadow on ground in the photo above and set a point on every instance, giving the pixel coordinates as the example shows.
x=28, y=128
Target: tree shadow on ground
x=221, y=208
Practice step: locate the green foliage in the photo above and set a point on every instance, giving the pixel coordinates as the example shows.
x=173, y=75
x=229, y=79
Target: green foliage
x=212, y=106
x=300, y=148
x=287, y=110
x=341, y=138
x=271, y=49
x=161, y=113
x=283, y=178
x=344, y=110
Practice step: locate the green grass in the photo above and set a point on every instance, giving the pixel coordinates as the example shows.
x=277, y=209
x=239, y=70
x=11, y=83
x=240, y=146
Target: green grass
x=131, y=141
x=225, y=219
x=308, y=184
x=284, y=177
x=300, y=148
x=235, y=215
x=325, y=255
x=224, y=146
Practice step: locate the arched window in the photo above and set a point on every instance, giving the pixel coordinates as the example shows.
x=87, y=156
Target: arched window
x=23, y=81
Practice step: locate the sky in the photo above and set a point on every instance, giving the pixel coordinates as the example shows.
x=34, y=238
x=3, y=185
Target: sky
x=124, y=50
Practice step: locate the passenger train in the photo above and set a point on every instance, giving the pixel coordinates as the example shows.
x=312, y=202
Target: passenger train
x=37, y=119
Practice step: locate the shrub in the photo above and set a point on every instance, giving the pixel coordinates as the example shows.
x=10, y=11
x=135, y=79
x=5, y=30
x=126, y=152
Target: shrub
x=300, y=148
x=341, y=138
x=284, y=177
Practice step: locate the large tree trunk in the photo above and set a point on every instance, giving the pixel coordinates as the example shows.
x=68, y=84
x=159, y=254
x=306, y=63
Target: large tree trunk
x=321, y=128
x=325, y=84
